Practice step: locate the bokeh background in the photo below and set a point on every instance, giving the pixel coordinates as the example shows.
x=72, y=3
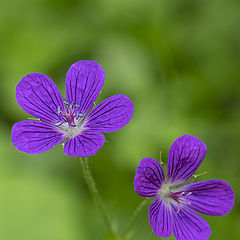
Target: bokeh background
x=179, y=63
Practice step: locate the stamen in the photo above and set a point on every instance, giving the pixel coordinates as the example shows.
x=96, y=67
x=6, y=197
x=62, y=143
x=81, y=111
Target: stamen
x=71, y=105
x=179, y=198
x=58, y=110
x=182, y=193
x=178, y=208
x=58, y=124
x=188, y=194
x=69, y=114
x=79, y=114
x=64, y=118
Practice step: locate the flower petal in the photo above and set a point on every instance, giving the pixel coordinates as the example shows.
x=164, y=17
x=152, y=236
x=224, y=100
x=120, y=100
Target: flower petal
x=111, y=115
x=85, y=144
x=160, y=218
x=35, y=137
x=187, y=225
x=37, y=94
x=185, y=156
x=212, y=197
x=149, y=178
x=84, y=82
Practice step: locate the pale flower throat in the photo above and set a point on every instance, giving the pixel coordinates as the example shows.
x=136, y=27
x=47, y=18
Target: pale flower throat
x=70, y=120
x=175, y=196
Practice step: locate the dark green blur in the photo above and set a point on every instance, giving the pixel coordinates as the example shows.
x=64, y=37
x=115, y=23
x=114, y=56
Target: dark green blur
x=179, y=61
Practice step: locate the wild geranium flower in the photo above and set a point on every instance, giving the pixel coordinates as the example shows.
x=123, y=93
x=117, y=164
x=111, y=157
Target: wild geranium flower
x=172, y=208
x=72, y=118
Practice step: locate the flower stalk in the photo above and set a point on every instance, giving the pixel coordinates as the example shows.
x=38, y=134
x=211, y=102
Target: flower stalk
x=94, y=192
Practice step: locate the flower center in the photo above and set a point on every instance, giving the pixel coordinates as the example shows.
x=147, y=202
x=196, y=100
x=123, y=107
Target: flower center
x=177, y=197
x=70, y=119
x=164, y=191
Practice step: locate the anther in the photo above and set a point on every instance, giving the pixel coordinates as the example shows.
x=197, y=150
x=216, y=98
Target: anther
x=64, y=118
x=65, y=102
x=188, y=194
x=58, y=110
x=71, y=105
x=57, y=124
x=79, y=115
x=182, y=193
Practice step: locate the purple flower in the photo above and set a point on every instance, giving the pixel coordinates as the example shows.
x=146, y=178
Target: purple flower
x=172, y=208
x=37, y=94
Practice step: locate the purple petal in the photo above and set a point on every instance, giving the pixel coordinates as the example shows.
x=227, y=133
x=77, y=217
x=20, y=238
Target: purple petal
x=85, y=144
x=160, y=218
x=111, y=115
x=149, y=178
x=187, y=225
x=84, y=82
x=37, y=94
x=212, y=197
x=185, y=156
x=35, y=137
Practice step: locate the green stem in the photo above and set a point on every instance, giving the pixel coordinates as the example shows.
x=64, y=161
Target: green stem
x=96, y=196
x=133, y=219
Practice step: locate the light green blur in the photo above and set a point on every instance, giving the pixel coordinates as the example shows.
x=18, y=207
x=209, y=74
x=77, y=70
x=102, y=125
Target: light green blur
x=179, y=62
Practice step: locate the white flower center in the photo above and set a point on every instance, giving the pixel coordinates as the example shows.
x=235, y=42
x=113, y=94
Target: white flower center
x=71, y=121
x=176, y=196
x=164, y=191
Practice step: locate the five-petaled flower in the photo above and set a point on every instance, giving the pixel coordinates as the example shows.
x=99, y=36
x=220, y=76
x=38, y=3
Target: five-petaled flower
x=74, y=118
x=172, y=208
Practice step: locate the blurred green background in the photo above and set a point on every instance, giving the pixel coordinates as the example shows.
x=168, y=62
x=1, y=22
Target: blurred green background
x=179, y=63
